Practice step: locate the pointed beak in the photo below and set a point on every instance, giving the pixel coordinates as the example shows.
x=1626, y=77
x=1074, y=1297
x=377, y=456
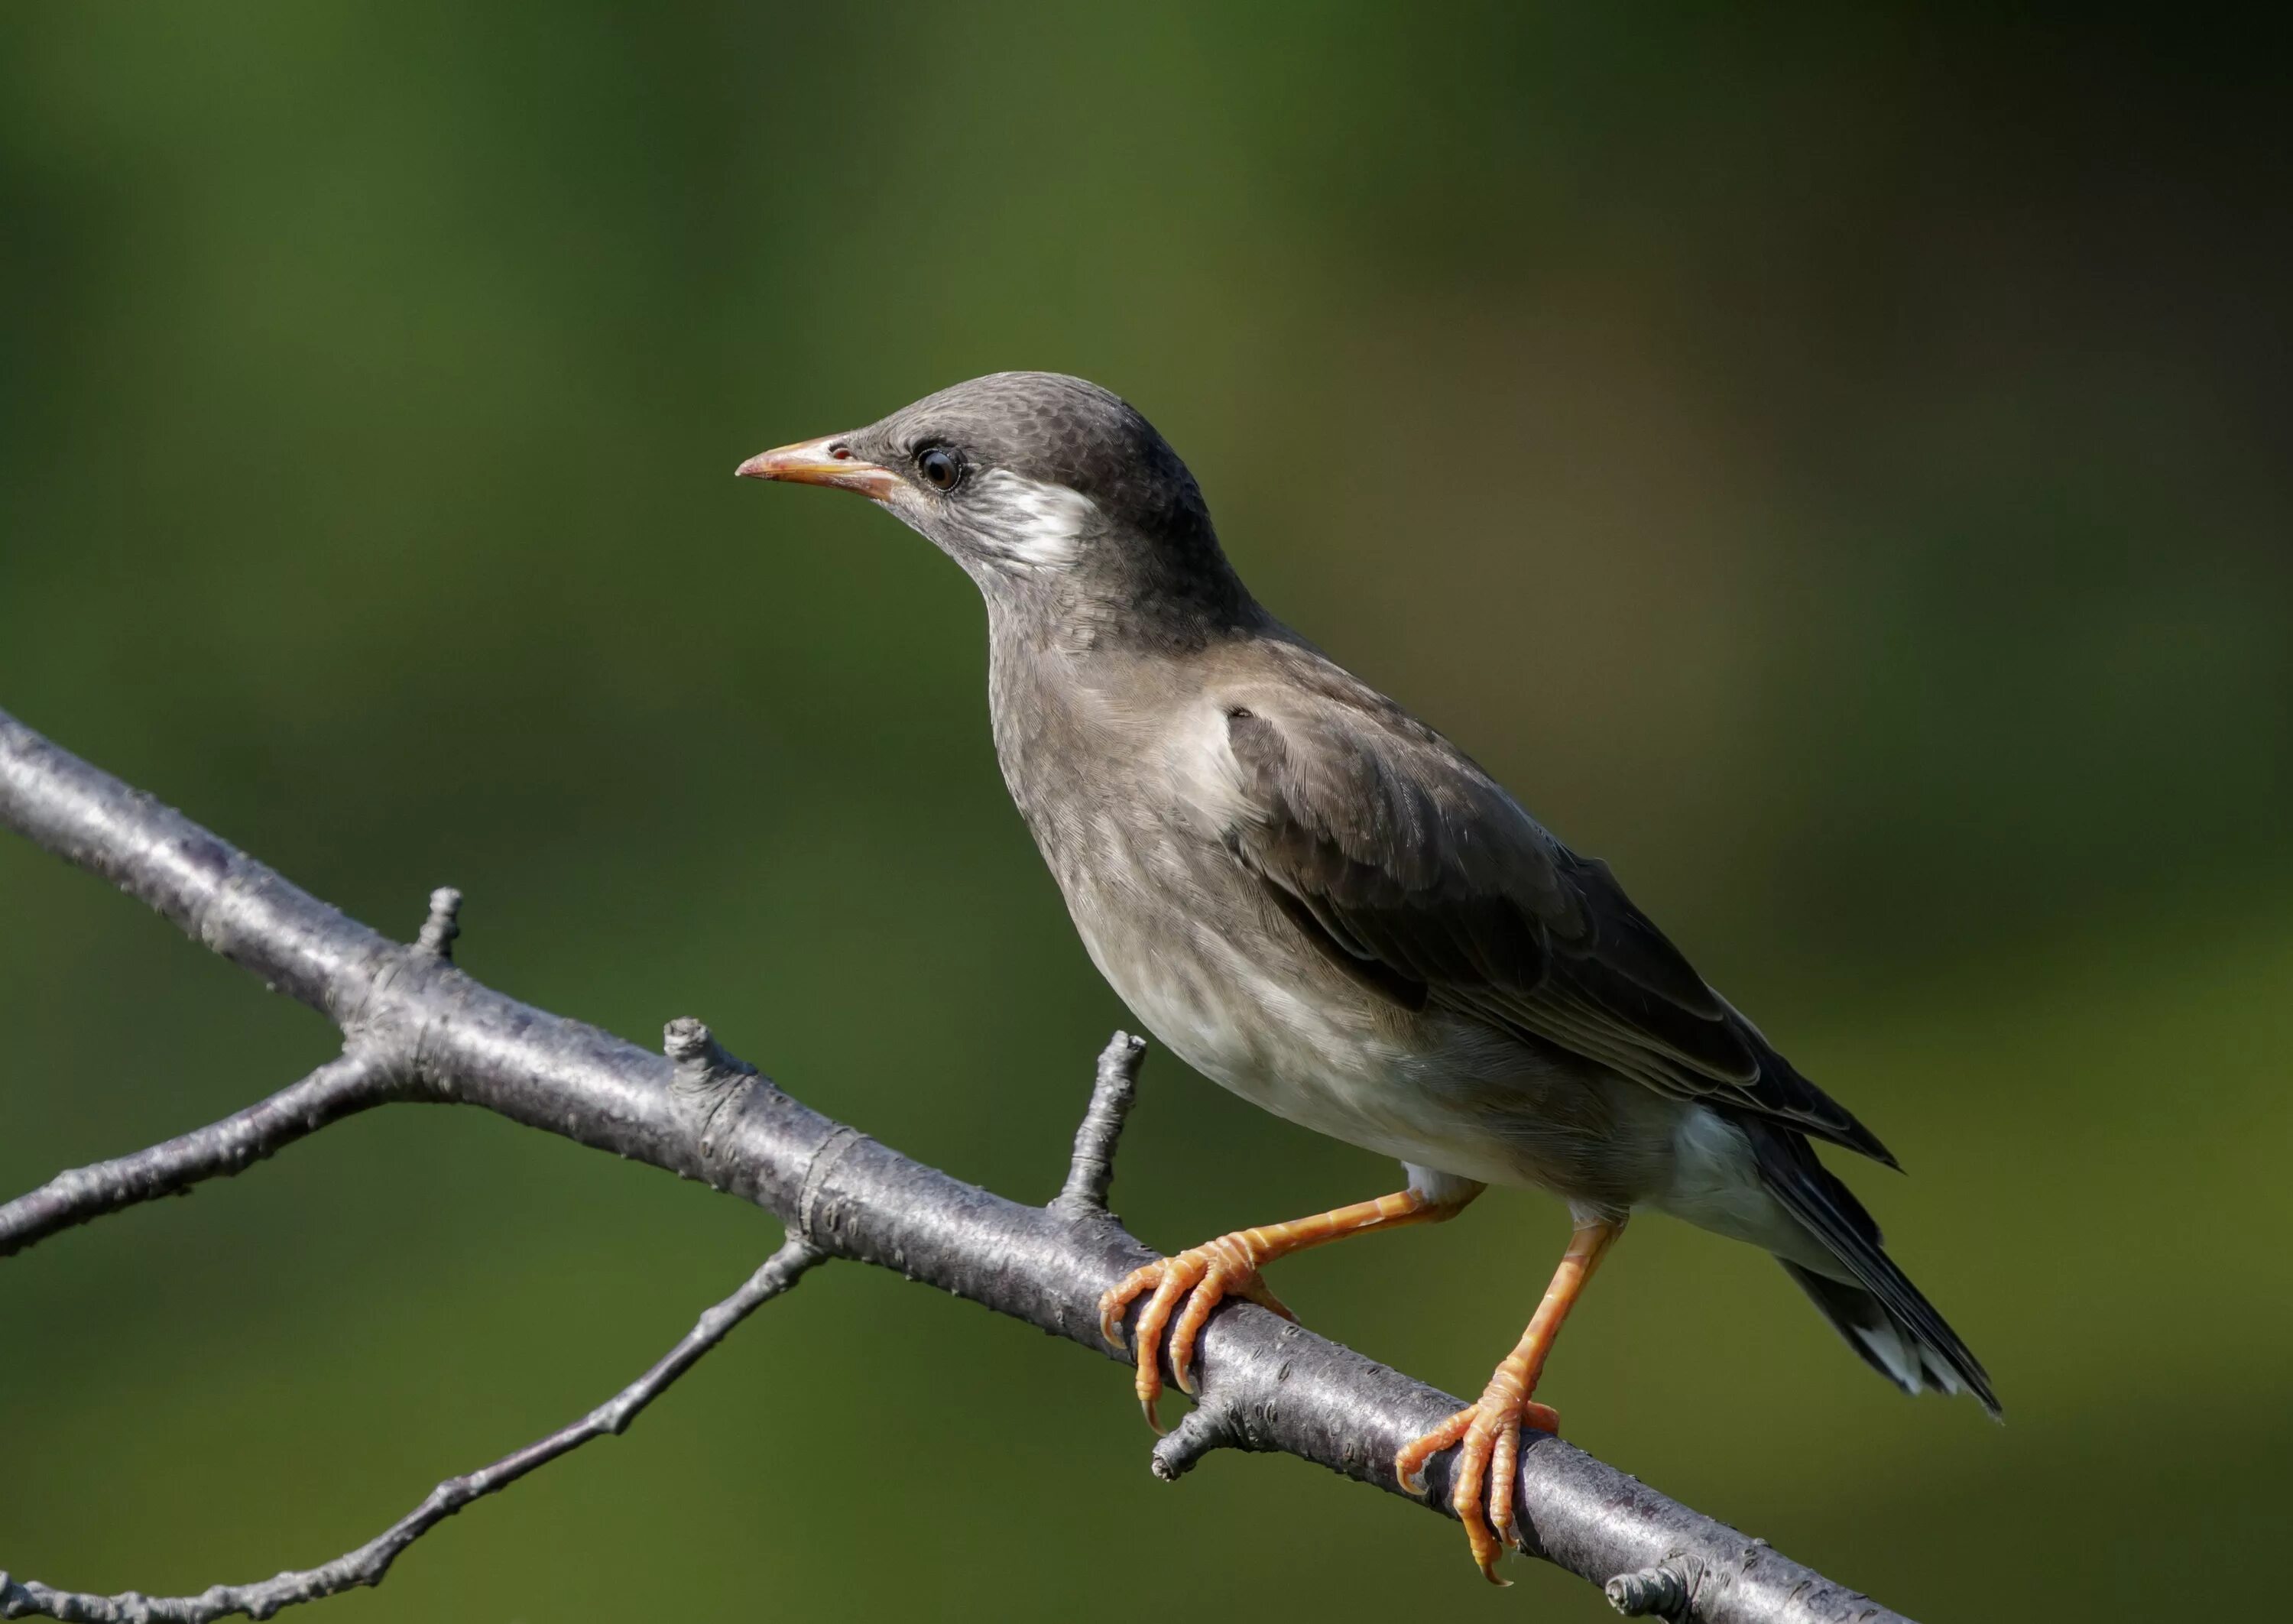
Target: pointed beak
x=826, y=461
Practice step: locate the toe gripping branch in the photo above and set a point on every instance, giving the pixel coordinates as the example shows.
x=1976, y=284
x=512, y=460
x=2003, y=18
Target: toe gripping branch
x=1091, y=1177
x=1178, y=1294
x=1212, y=1423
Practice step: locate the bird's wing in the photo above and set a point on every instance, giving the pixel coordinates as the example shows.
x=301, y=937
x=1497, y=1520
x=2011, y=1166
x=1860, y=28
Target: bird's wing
x=1418, y=875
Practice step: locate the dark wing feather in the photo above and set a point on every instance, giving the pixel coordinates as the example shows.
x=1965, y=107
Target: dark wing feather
x=1422, y=879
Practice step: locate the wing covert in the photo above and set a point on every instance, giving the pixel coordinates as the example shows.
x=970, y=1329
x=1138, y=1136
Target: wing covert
x=1418, y=875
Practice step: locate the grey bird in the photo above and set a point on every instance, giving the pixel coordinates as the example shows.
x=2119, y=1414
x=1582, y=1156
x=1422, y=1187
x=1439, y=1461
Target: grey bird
x=1319, y=902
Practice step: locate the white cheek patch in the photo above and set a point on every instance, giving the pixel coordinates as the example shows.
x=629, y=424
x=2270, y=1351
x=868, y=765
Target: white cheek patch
x=1030, y=523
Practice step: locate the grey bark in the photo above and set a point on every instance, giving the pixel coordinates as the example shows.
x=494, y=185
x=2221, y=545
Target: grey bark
x=416, y=1028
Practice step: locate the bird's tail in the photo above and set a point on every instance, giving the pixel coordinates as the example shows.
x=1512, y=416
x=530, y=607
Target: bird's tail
x=1880, y=1313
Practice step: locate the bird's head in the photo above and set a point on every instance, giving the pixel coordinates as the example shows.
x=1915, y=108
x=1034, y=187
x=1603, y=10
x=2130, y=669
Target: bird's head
x=1046, y=488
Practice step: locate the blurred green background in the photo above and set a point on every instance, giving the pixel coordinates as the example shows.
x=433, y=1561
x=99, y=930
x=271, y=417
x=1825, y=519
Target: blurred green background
x=1834, y=468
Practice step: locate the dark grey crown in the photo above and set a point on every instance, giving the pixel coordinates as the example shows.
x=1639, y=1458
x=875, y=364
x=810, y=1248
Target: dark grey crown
x=1138, y=559
x=1064, y=430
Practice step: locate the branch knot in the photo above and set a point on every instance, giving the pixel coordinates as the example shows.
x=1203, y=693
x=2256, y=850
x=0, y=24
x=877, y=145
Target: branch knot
x=709, y=1081
x=824, y=1158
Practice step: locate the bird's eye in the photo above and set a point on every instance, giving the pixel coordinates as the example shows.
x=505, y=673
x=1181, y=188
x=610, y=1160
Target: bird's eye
x=940, y=468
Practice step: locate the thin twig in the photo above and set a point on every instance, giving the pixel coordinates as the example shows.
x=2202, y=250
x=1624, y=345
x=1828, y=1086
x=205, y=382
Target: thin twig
x=1090, y=1175
x=368, y=1565
x=353, y=1083
x=1276, y=1386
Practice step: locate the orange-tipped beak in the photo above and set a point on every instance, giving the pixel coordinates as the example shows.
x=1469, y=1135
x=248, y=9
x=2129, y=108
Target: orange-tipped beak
x=826, y=461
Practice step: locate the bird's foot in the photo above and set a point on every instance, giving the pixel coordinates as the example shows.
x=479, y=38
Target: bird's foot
x=1481, y=1492
x=1204, y=1275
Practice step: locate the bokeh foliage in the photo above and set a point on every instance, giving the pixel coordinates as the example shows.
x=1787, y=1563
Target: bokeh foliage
x=1834, y=467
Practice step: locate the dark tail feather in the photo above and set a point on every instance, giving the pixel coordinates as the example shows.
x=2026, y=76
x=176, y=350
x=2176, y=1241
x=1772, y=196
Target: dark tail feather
x=1882, y=1315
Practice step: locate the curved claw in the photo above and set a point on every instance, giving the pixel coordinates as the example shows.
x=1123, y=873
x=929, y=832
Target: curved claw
x=1487, y=1437
x=1502, y=1460
x=1204, y=1276
x=1409, y=1463
x=1484, y=1443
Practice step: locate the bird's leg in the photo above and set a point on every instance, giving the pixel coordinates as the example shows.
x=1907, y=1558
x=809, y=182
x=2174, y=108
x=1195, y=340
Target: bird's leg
x=1490, y=1430
x=1227, y=1266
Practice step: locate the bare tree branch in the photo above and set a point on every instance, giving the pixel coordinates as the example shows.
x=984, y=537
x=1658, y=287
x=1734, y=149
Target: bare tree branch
x=366, y=1565
x=1266, y=1385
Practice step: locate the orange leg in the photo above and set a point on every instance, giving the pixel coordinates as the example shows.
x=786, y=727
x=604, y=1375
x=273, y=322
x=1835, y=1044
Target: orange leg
x=1226, y=1267
x=1490, y=1430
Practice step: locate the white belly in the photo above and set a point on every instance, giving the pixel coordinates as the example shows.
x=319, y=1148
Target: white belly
x=1300, y=1040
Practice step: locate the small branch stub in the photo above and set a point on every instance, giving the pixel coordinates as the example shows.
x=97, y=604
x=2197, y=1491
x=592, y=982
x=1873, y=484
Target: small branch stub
x=1207, y=1426
x=443, y=925
x=1659, y=1592
x=700, y=1058
x=708, y=1080
x=1090, y=1175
